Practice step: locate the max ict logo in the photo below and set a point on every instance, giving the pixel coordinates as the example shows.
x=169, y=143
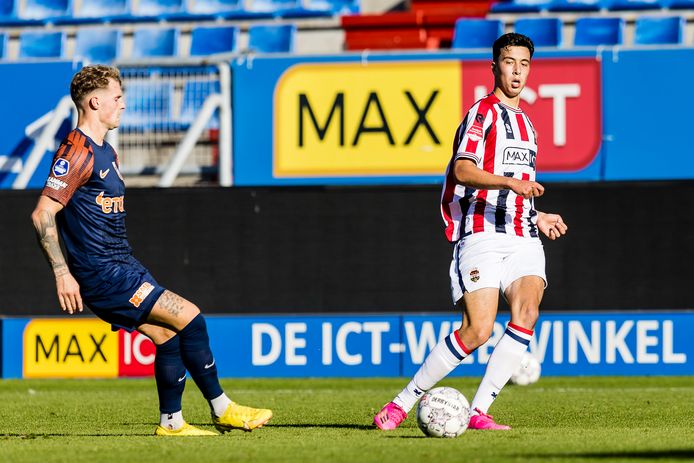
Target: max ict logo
x=519, y=157
x=61, y=167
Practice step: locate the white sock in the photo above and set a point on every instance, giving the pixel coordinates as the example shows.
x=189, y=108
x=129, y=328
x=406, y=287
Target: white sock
x=503, y=362
x=443, y=359
x=219, y=404
x=171, y=421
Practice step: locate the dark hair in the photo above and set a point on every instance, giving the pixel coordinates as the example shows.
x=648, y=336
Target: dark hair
x=89, y=79
x=512, y=39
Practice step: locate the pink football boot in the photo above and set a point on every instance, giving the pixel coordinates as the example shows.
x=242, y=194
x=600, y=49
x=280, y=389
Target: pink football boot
x=390, y=417
x=484, y=421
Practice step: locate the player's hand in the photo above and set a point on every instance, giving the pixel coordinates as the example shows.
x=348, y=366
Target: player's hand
x=68, y=292
x=526, y=188
x=551, y=225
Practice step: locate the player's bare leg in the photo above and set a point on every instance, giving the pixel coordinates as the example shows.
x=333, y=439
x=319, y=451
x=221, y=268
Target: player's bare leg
x=478, y=321
x=182, y=316
x=524, y=296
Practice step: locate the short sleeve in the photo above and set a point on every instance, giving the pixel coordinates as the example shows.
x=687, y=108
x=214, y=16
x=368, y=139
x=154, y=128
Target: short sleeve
x=472, y=136
x=71, y=168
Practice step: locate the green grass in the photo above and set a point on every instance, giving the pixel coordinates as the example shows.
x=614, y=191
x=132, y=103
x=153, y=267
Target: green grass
x=329, y=420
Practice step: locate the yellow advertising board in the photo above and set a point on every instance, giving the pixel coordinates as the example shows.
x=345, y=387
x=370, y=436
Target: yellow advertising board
x=57, y=348
x=374, y=119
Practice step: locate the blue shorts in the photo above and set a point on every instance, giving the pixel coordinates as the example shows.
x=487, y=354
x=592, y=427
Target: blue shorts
x=125, y=300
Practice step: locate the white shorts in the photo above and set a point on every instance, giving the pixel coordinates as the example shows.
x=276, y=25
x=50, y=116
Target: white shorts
x=494, y=260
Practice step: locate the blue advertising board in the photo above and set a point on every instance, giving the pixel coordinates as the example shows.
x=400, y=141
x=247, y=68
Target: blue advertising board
x=28, y=92
x=566, y=344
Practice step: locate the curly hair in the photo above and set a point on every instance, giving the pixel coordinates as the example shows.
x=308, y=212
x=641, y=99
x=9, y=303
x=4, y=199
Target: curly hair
x=90, y=78
x=512, y=39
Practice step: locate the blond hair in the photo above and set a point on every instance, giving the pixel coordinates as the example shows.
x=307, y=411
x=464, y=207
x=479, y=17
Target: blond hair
x=90, y=78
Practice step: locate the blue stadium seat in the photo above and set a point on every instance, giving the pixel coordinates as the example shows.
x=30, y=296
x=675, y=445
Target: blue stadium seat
x=214, y=6
x=194, y=94
x=521, y=6
x=103, y=9
x=149, y=106
x=155, y=41
x=681, y=4
x=335, y=6
x=271, y=38
x=41, y=44
x=659, y=30
x=599, y=31
x=476, y=33
x=158, y=7
x=632, y=5
x=210, y=40
x=3, y=45
x=544, y=32
x=8, y=8
x=46, y=9
x=97, y=44
x=575, y=5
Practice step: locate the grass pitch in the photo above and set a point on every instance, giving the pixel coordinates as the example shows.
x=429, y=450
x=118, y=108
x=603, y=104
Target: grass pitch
x=329, y=420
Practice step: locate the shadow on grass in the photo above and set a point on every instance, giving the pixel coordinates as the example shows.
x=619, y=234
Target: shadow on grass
x=66, y=434
x=332, y=426
x=673, y=454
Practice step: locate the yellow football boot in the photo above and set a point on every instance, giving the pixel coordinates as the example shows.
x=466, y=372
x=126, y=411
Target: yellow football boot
x=239, y=417
x=185, y=430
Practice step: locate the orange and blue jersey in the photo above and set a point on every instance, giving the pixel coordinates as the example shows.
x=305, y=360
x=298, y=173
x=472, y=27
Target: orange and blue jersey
x=85, y=178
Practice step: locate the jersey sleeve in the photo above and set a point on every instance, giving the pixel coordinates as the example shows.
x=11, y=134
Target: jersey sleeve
x=71, y=168
x=472, y=135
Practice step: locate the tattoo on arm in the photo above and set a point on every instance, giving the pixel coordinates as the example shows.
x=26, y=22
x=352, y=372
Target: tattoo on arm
x=172, y=303
x=47, y=232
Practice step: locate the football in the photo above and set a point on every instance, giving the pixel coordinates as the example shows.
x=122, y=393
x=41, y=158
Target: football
x=443, y=412
x=528, y=372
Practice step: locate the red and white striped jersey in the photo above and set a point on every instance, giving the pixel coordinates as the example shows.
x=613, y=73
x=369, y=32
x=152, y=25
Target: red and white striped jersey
x=500, y=140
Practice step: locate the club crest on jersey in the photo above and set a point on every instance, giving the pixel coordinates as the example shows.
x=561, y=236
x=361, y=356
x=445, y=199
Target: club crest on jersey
x=475, y=133
x=519, y=156
x=61, y=167
x=474, y=275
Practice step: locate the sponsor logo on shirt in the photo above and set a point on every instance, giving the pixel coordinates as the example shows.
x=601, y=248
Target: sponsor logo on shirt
x=519, y=157
x=61, y=167
x=141, y=294
x=103, y=173
x=56, y=184
x=113, y=205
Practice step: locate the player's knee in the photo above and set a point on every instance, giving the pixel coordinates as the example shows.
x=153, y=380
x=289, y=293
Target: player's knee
x=527, y=314
x=474, y=336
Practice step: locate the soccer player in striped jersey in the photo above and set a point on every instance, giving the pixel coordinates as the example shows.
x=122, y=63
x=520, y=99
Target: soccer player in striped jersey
x=83, y=202
x=489, y=212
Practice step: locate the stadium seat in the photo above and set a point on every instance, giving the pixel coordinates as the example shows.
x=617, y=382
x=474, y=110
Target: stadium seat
x=158, y=7
x=214, y=6
x=335, y=6
x=103, y=9
x=3, y=45
x=599, y=31
x=659, y=30
x=97, y=44
x=264, y=38
x=574, y=5
x=632, y=5
x=476, y=33
x=520, y=6
x=45, y=9
x=544, y=32
x=41, y=44
x=211, y=40
x=8, y=8
x=681, y=5
x=155, y=41
x=149, y=106
x=194, y=94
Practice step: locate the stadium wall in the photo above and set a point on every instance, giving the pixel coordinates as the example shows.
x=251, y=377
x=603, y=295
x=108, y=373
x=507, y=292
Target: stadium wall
x=368, y=249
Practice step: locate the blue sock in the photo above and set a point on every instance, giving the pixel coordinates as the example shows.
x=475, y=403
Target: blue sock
x=170, y=374
x=198, y=359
